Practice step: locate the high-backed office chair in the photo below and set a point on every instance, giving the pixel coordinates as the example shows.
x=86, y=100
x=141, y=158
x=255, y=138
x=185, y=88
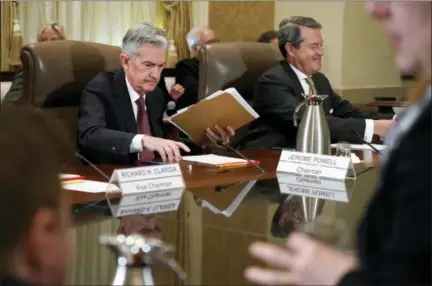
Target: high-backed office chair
x=56, y=73
x=238, y=65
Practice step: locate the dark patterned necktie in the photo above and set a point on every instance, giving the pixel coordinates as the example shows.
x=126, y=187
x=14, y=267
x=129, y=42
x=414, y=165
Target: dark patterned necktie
x=143, y=127
x=312, y=88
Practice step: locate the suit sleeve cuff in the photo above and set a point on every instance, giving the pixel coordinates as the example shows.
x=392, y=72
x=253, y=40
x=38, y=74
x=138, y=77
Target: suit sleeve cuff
x=136, y=144
x=369, y=128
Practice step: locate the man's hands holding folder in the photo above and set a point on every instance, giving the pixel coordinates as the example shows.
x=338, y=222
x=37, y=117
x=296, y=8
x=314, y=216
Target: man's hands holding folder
x=219, y=137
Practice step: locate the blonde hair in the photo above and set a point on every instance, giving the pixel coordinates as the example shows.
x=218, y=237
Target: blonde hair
x=54, y=26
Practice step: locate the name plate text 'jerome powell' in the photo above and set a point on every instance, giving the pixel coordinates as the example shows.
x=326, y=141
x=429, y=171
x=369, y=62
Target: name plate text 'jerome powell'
x=315, y=165
x=149, y=178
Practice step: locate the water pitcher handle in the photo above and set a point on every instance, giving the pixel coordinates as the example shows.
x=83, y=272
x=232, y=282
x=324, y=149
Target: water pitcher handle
x=296, y=111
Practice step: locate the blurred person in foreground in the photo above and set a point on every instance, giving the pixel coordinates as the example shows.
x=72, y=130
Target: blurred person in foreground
x=394, y=238
x=50, y=32
x=270, y=37
x=120, y=119
x=188, y=69
x=34, y=211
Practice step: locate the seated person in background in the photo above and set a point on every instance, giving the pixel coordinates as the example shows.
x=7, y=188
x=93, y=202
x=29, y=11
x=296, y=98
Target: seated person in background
x=188, y=69
x=51, y=32
x=269, y=37
x=34, y=240
x=279, y=91
x=120, y=119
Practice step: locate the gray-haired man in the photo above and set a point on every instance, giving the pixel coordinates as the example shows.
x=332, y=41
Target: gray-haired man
x=188, y=69
x=121, y=113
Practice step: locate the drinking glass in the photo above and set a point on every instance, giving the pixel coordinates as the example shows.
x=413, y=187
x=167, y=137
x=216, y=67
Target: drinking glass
x=343, y=149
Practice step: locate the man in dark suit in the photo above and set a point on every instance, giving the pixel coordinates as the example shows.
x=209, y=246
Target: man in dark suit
x=279, y=91
x=120, y=119
x=188, y=69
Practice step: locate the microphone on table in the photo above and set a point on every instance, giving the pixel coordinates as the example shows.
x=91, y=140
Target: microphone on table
x=365, y=142
x=94, y=167
x=224, y=144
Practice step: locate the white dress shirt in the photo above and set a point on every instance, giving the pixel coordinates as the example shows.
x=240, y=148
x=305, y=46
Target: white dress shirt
x=136, y=144
x=369, y=128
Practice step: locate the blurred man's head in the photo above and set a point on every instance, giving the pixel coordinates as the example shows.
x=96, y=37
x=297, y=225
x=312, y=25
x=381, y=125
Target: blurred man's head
x=408, y=25
x=143, y=56
x=51, y=32
x=34, y=243
x=301, y=43
x=269, y=37
x=199, y=36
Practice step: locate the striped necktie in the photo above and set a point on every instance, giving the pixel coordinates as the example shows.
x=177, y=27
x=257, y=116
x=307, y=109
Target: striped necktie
x=312, y=88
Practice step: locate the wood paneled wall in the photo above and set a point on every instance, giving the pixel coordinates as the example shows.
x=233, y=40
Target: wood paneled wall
x=241, y=21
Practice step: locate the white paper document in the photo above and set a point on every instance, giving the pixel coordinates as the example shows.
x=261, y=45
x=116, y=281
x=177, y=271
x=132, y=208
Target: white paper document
x=88, y=186
x=379, y=147
x=212, y=159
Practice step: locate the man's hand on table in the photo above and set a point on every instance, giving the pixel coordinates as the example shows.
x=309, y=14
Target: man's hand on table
x=382, y=127
x=168, y=150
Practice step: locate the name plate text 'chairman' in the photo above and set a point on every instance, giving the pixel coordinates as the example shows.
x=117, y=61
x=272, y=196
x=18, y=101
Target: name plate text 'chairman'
x=314, y=165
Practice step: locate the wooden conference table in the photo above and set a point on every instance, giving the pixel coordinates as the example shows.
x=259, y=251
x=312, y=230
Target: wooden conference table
x=210, y=244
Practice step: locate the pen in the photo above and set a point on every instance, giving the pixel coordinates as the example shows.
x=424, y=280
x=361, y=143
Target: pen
x=72, y=178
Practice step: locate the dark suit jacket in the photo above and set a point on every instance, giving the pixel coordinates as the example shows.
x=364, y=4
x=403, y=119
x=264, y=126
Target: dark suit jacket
x=187, y=75
x=394, y=238
x=106, y=122
x=278, y=93
x=15, y=92
x=7, y=280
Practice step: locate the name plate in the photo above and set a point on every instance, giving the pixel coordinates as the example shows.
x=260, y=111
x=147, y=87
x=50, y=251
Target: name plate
x=313, y=187
x=148, y=179
x=149, y=203
x=314, y=165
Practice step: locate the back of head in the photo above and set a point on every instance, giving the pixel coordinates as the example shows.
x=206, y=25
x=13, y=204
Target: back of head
x=268, y=36
x=31, y=144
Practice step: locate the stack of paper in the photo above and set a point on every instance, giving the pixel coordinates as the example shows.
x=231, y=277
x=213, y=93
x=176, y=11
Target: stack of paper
x=88, y=186
x=222, y=108
x=216, y=160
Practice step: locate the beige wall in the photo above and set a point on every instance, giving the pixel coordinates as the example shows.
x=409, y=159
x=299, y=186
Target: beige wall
x=367, y=60
x=357, y=50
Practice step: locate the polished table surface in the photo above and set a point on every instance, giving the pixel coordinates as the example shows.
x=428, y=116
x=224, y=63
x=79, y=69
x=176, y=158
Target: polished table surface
x=210, y=245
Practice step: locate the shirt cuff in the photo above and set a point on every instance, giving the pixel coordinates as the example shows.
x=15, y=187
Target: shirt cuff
x=369, y=129
x=136, y=144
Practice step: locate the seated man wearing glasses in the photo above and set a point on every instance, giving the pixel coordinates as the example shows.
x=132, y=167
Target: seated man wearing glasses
x=188, y=69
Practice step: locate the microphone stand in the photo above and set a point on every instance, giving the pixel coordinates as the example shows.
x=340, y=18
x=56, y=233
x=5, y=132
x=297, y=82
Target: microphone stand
x=94, y=167
x=224, y=144
x=365, y=142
